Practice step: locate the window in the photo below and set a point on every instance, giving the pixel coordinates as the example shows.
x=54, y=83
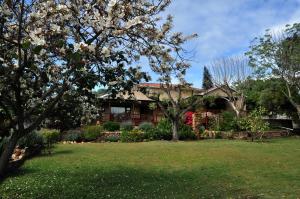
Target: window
x=118, y=110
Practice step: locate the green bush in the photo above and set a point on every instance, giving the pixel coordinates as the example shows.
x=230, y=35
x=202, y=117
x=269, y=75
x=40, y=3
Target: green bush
x=91, y=133
x=50, y=137
x=31, y=140
x=201, y=129
x=218, y=135
x=164, y=130
x=73, y=136
x=112, y=138
x=146, y=126
x=150, y=131
x=186, y=133
x=229, y=122
x=136, y=135
x=111, y=126
x=126, y=126
x=254, y=123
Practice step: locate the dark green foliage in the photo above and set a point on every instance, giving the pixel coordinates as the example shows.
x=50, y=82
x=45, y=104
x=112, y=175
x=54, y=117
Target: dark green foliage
x=31, y=140
x=92, y=132
x=127, y=126
x=164, y=130
x=267, y=93
x=207, y=79
x=201, y=129
x=150, y=131
x=3, y=142
x=73, y=136
x=218, y=135
x=226, y=121
x=111, y=126
x=135, y=135
x=186, y=133
x=112, y=138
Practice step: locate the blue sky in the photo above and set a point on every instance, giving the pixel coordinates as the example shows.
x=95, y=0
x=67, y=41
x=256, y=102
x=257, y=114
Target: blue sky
x=226, y=27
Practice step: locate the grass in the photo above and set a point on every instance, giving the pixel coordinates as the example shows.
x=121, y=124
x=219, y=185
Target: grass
x=204, y=169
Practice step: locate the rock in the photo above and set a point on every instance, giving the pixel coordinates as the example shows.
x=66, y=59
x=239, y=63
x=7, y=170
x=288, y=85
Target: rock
x=17, y=152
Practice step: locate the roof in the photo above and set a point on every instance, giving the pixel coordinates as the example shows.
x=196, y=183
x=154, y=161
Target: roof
x=135, y=95
x=158, y=85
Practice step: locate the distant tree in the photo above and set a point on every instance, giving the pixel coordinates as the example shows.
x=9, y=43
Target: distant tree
x=268, y=94
x=207, y=79
x=227, y=74
x=278, y=56
x=170, y=66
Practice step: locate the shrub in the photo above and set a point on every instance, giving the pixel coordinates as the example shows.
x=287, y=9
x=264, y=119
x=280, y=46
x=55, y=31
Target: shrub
x=92, y=132
x=186, y=133
x=50, y=137
x=73, y=136
x=164, y=130
x=32, y=139
x=218, y=135
x=201, y=129
x=254, y=123
x=136, y=135
x=228, y=122
x=126, y=126
x=146, y=126
x=112, y=138
x=111, y=126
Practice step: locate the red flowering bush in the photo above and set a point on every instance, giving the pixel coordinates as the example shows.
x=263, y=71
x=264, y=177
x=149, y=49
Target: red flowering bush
x=189, y=118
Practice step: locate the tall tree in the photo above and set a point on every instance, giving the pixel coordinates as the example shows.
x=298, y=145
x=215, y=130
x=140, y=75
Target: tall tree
x=278, y=56
x=227, y=74
x=207, y=79
x=169, y=64
x=48, y=47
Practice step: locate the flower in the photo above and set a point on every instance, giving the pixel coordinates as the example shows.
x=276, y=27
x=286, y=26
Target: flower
x=106, y=52
x=55, y=28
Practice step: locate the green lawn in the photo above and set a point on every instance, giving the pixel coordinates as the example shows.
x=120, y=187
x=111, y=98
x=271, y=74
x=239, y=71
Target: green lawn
x=203, y=169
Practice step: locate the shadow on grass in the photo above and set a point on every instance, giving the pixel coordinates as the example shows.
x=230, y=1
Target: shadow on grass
x=124, y=183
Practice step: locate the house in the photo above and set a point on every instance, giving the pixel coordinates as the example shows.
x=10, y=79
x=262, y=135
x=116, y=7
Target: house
x=138, y=108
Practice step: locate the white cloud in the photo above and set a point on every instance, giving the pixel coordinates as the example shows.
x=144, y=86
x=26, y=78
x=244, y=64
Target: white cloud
x=226, y=27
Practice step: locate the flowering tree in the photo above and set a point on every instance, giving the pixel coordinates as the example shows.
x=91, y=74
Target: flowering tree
x=48, y=47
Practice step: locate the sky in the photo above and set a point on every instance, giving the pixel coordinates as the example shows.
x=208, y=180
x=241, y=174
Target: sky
x=227, y=27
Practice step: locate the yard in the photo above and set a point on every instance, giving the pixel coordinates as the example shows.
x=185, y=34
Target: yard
x=207, y=169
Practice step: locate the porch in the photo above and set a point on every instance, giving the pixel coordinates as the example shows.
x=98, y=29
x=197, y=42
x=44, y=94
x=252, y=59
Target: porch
x=136, y=112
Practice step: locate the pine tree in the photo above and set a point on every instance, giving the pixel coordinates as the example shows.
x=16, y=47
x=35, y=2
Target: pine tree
x=207, y=79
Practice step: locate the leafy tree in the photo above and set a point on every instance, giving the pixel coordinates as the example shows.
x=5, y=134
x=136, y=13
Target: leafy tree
x=207, y=79
x=170, y=65
x=73, y=110
x=49, y=47
x=254, y=123
x=268, y=94
x=278, y=56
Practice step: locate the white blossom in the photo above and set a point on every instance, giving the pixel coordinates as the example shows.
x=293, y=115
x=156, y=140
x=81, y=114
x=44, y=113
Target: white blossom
x=105, y=51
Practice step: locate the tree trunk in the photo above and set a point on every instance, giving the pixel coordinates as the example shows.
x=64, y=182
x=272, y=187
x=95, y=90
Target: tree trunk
x=7, y=153
x=175, y=130
x=235, y=109
x=298, y=110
